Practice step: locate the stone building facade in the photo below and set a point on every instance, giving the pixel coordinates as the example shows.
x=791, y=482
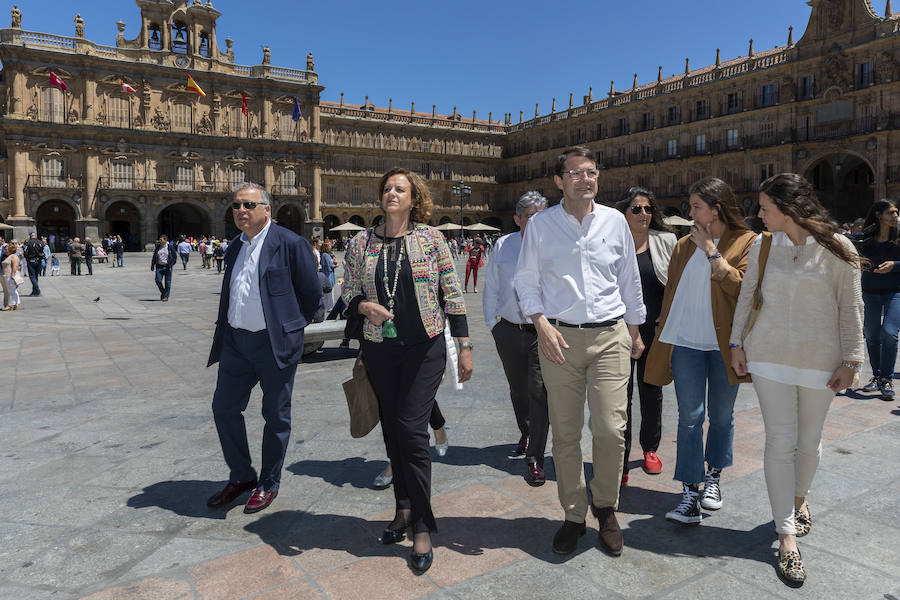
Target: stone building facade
x=129, y=149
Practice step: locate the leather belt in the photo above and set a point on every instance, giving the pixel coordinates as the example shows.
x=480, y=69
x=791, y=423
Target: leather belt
x=584, y=325
x=521, y=326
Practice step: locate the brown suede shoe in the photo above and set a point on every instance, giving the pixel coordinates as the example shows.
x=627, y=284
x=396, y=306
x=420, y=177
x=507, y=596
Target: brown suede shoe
x=610, y=535
x=566, y=539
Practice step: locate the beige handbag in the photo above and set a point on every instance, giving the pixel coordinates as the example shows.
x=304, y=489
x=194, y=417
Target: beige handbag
x=757, y=293
x=19, y=279
x=361, y=401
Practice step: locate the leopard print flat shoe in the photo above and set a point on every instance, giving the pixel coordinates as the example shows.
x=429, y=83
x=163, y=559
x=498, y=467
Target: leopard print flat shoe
x=790, y=568
x=802, y=520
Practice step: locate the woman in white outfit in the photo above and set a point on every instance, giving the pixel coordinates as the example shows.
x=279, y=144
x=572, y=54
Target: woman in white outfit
x=806, y=345
x=11, y=265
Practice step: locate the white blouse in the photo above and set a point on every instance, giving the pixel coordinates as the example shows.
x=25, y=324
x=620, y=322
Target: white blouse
x=690, y=320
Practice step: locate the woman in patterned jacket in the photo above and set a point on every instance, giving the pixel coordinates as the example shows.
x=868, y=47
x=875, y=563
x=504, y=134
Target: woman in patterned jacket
x=399, y=276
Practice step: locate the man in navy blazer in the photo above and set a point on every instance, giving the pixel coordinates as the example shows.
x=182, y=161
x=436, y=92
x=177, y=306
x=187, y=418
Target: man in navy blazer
x=270, y=291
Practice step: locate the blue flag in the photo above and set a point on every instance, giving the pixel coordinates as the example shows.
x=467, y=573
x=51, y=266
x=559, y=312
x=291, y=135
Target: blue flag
x=296, y=115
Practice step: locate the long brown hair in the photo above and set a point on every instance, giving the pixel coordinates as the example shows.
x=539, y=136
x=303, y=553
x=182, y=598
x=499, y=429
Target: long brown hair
x=718, y=195
x=795, y=197
x=422, y=205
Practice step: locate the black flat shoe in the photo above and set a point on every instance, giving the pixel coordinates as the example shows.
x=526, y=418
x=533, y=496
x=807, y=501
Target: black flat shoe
x=566, y=539
x=392, y=536
x=421, y=562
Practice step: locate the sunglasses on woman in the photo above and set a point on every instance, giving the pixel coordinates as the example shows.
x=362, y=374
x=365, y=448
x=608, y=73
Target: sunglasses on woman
x=636, y=210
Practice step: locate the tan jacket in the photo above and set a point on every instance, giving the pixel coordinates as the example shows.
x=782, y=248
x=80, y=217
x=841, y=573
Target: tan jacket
x=734, y=246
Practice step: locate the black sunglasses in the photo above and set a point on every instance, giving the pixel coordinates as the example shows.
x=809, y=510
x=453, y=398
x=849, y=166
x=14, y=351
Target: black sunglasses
x=636, y=210
x=247, y=205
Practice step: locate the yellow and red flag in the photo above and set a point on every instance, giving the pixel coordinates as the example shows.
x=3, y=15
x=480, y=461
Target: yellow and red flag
x=192, y=85
x=127, y=88
x=244, y=103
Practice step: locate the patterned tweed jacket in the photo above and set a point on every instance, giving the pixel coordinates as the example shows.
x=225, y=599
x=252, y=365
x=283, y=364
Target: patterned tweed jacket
x=432, y=269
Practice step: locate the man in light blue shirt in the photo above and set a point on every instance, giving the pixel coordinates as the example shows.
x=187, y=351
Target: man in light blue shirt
x=184, y=251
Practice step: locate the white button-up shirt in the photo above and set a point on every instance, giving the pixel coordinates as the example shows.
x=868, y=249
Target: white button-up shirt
x=245, y=309
x=580, y=272
x=500, y=299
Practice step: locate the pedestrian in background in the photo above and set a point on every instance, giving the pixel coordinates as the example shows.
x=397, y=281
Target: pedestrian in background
x=163, y=262
x=473, y=263
x=89, y=255
x=119, y=247
x=9, y=267
x=76, y=256
x=33, y=252
x=805, y=345
x=184, y=251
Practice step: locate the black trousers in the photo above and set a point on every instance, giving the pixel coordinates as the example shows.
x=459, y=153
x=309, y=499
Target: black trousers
x=518, y=350
x=406, y=379
x=651, y=400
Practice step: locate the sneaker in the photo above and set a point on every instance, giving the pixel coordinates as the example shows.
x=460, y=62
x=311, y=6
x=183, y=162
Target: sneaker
x=872, y=386
x=652, y=463
x=886, y=387
x=688, y=511
x=712, y=495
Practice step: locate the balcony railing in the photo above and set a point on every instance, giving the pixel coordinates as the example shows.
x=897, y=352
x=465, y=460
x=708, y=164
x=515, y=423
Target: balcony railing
x=39, y=180
x=162, y=185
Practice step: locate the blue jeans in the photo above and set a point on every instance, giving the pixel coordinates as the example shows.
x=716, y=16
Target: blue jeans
x=692, y=369
x=164, y=272
x=120, y=259
x=34, y=269
x=881, y=324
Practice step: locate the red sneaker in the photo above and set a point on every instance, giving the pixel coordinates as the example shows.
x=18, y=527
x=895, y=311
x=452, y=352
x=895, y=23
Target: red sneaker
x=624, y=479
x=652, y=464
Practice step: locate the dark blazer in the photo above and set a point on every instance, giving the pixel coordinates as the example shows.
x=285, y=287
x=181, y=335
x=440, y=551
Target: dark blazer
x=173, y=256
x=288, y=287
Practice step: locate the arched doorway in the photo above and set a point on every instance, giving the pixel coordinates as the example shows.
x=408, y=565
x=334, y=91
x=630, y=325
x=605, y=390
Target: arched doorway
x=182, y=219
x=291, y=216
x=330, y=221
x=56, y=220
x=231, y=230
x=377, y=220
x=445, y=219
x=357, y=220
x=123, y=219
x=845, y=185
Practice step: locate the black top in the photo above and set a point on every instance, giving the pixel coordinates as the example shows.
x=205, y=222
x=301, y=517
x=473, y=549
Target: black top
x=651, y=287
x=407, y=318
x=877, y=253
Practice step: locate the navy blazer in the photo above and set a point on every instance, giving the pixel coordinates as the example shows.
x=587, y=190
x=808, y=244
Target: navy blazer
x=288, y=287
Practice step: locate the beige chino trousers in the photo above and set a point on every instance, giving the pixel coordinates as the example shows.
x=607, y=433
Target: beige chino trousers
x=597, y=367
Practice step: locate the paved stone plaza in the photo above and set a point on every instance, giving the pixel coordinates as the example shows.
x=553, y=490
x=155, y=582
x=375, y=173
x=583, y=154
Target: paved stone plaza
x=109, y=453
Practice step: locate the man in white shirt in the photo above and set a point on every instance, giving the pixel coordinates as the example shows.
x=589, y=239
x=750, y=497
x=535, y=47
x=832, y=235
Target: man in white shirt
x=578, y=281
x=270, y=291
x=516, y=341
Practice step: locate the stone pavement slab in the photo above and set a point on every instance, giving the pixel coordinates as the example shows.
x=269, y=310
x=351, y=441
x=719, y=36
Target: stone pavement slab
x=108, y=453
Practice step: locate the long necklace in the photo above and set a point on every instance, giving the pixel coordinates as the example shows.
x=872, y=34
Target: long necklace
x=388, y=328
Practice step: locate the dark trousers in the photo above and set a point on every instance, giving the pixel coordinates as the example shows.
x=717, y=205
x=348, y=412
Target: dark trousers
x=406, y=379
x=518, y=350
x=75, y=265
x=246, y=360
x=651, y=400
x=89, y=263
x=34, y=270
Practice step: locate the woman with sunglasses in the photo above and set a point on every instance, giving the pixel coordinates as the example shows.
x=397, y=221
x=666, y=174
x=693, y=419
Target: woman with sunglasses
x=692, y=345
x=399, y=276
x=653, y=242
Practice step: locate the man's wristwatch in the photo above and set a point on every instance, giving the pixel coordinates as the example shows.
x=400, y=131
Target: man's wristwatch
x=468, y=345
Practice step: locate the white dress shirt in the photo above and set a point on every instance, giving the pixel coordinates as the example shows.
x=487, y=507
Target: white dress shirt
x=690, y=321
x=580, y=272
x=500, y=299
x=245, y=309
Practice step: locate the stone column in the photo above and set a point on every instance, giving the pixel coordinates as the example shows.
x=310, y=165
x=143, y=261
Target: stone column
x=88, y=225
x=314, y=225
x=269, y=176
x=314, y=126
x=18, y=177
x=17, y=97
x=265, y=117
x=89, y=100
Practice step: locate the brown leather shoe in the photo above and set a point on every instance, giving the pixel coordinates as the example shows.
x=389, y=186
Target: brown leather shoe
x=228, y=494
x=566, y=539
x=610, y=535
x=536, y=476
x=259, y=500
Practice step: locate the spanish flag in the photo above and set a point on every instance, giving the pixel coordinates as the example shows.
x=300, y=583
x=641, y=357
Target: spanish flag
x=192, y=85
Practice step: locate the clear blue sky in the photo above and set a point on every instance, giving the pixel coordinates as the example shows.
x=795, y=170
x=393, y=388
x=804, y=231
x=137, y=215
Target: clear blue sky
x=499, y=56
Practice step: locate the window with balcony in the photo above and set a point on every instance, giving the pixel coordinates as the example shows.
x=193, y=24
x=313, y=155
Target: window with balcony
x=700, y=143
x=237, y=176
x=646, y=121
x=672, y=148
x=672, y=184
x=119, y=112
x=767, y=95
x=598, y=131
x=806, y=88
x=238, y=122
x=181, y=118
x=330, y=194
x=123, y=175
x=53, y=106
x=672, y=115
x=623, y=126
x=767, y=133
x=864, y=74
x=287, y=127
x=766, y=171
x=184, y=177
x=646, y=152
x=356, y=195
x=53, y=172
x=733, y=102
x=732, y=139
x=701, y=109
x=288, y=181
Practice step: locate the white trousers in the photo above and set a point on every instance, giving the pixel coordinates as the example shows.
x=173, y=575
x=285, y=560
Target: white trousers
x=794, y=417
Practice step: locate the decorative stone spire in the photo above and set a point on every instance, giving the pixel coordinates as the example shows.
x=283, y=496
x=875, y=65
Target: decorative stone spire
x=751, y=48
x=791, y=31
x=612, y=87
x=659, y=75
x=888, y=10
x=536, y=109
x=570, y=101
x=521, y=115
x=634, y=83
x=390, y=104
x=412, y=108
x=687, y=66
x=591, y=93
x=433, y=110
x=553, y=106
x=473, y=116
x=342, y=99
x=490, y=117
x=718, y=57
x=454, y=112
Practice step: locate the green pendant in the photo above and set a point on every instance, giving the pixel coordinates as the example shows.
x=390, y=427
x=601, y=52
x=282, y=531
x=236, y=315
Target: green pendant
x=388, y=329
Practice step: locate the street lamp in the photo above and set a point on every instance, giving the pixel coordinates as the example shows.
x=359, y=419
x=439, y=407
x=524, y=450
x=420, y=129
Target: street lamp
x=461, y=191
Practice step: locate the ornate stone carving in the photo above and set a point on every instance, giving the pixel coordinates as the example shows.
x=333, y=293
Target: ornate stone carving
x=267, y=55
x=887, y=67
x=224, y=127
x=138, y=121
x=101, y=118
x=31, y=113
x=159, y=121
x=788, y=89
x=836, y=71
x=254, y=132
x=73, y=116
x=310, y=64
x=205, y=125
x=834, y=11
x=79, y=26
x=16, y=15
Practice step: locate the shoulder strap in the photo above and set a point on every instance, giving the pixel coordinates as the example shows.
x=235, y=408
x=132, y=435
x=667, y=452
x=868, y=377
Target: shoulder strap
x=764, y=256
